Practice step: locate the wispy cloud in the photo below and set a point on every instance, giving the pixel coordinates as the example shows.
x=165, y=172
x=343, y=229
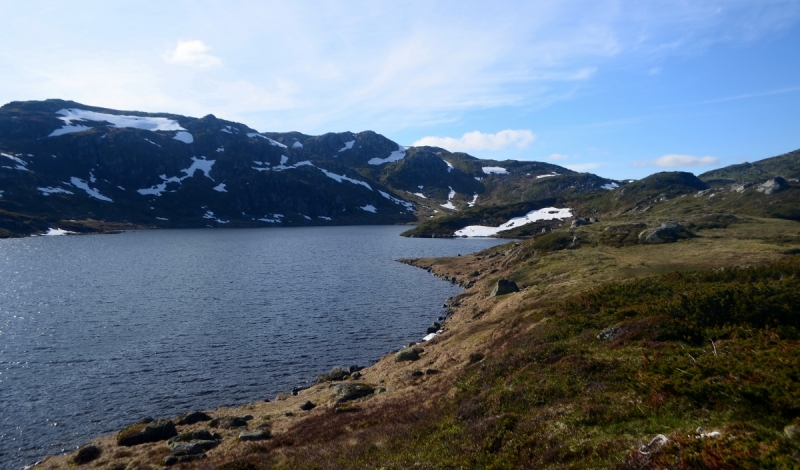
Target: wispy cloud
x=477, y=140
x=677, y=161
x=557, y=156
x=191, y=53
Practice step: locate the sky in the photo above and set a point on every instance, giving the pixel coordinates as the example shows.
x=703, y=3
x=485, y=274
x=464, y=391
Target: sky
x=618, y=88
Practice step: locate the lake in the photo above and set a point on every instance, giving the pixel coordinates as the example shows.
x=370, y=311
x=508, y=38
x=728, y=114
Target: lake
x=99, y=331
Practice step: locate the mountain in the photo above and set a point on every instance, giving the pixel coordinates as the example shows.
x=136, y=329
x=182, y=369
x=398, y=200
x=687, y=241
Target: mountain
x=66, y=164
x=786, y=166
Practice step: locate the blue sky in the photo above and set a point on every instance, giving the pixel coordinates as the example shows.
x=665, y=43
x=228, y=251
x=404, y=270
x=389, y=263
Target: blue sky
x=619, y=88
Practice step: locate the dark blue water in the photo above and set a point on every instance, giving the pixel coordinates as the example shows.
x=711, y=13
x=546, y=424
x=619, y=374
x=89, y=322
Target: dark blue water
x=98, y=331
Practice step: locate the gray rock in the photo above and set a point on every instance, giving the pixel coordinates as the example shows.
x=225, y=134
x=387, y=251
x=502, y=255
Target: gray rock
x=739, y=188
x=407, y=354
x=191, y=447
x=351, y=391
x=258, y=435
x=145, y=420
x=773, y=186
x=546, y=229
x=353, y=369
x=609, y=334
x=228, y=422
x=503, y=287
x=193, y=417
x=337, y=373
x=160, y=430
x=792, y=431
x=668, y=232
x=196, y=435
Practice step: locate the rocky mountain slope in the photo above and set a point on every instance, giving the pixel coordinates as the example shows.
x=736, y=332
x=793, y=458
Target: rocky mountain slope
x=88, y=169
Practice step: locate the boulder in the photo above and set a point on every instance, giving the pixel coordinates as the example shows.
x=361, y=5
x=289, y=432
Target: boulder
x=229, y=422
x=160, y=430
x=351, y=391
x=86, y=454
x=307, y=406
x=668, y=232
x=609, y=334
x=337, y=373
x=193, y=417
x=196, y=435
x=192, y=447
x=407, y=354
x=773, y=186
x=503, y=287
x=258, y=435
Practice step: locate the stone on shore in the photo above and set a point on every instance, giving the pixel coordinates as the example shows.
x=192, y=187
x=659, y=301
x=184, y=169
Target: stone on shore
x=258, y=435
x=407, y=354
x=160, y=430
x=86, y=454
x=503, y=287
x=351, y=391
x=229, y=422
x=192, y=447
x=193, y=417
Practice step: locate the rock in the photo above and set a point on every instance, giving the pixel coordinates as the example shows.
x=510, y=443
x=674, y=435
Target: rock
x=431, y=371
x=593, y=220
x=354, y=369
x=193, y=417
x=228, y=422
x=609, y=334
x=170, y=460
x=337, y=373
x=668, y=232
x=297, y=390
x=739, y=188
x=192, y=447
x=792, y=431
x=356, y=375
x=474, y=273
x=307, y=406
x=145, y=420
x=196, y=435
x=655, y=444
x=264, y=426
x=86, y=454
x=546, y=229
x=160, y=430
x=259, y=435
x=351, y=391
x=503, y=287
x=431, y=329
x=475, y=357
x=407, y=354
x=773, y=186
x=412, y=374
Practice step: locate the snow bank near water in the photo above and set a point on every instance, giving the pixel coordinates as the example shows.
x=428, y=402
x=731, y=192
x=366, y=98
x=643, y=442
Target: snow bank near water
x=548, y=213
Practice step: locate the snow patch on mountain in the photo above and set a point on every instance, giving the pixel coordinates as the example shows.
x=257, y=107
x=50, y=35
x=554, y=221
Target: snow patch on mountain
x=297, y=145
x=450, y=197
x=497, y=170
x=538, y=177
x=395, y=156
x=449, y=165
x=220, y=188
x=81, y=184
x=369, y=208
x=197, y=164
x=21, y=164
x=184, y=137
x=147, y=123
x=256, y=135
x=395, y=200
x=53, y=190
x=347, y=146
x=341, y=178
x=547, y=213
x=474, y=200
x=610, y=186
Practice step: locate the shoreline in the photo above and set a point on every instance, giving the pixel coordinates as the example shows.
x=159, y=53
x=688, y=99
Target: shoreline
x=284, y=402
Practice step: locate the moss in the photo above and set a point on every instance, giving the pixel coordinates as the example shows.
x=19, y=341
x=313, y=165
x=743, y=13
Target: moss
x=553, y=241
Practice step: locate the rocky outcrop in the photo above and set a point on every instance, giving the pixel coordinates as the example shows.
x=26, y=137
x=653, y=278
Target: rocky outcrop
x=668, y=232
x=503, y=287
x=351, y=391
x=160, y=430
x=193, y=417
x=407, y=354
x=86, y=454
x=773, y=186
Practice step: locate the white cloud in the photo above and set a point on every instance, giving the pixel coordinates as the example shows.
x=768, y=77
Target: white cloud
x=477, y=140
x=557, y=156
x=192, y=53
x=584, y=166
x=675, y=161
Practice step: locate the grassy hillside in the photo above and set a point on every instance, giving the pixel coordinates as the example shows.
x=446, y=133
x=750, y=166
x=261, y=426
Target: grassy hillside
x=786, y=166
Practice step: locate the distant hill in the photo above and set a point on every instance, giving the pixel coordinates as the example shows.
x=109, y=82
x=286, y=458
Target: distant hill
x=786, y=166
x=64, y=163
